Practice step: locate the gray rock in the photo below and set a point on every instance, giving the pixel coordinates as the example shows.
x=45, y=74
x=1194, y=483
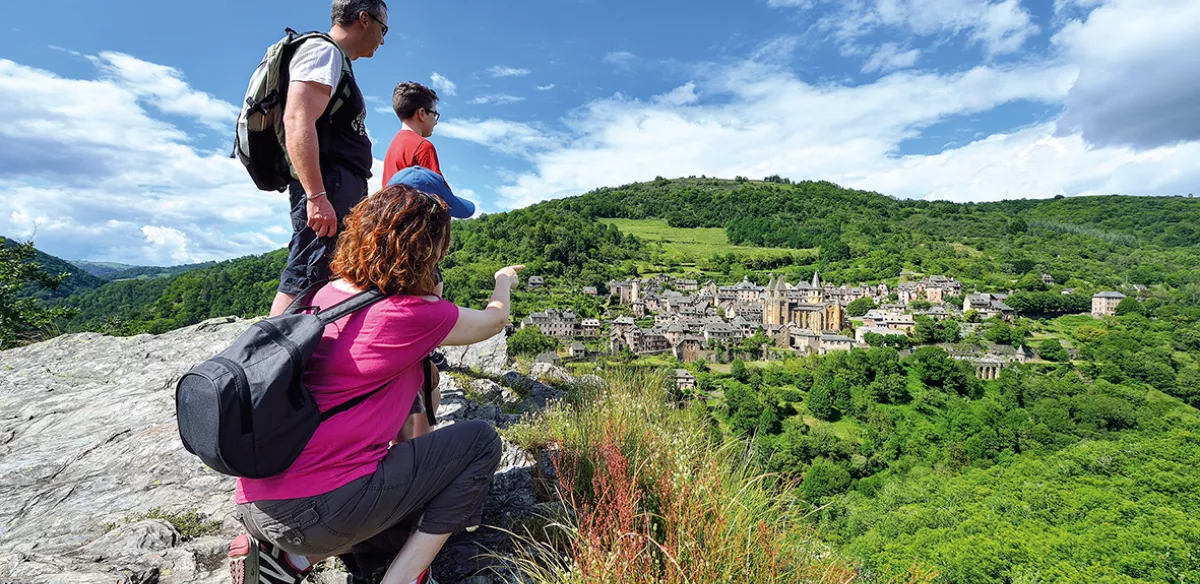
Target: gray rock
x=490, y=356
x=133, y=540
x=89, y=443
x=549, y=372
x=492, y=392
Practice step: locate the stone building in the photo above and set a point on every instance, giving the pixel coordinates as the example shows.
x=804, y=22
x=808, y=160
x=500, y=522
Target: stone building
x=1105, y=303
x=802, y=305
x=744, y=291
x=988, y=306
x=559, y=324
x=590, y=327
x=684, y=380
x=831, y=342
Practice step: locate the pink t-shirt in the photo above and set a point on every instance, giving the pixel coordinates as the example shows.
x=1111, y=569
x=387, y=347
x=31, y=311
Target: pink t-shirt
x=383, y=344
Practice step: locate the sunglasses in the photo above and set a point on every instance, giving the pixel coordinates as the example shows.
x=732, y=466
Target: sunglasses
x=373, y=17
x=436, y=116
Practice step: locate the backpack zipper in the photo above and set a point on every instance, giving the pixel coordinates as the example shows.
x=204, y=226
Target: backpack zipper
x=297, y=361
x=244, y=388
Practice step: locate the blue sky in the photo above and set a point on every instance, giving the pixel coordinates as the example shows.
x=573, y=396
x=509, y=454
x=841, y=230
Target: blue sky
x=117, y=116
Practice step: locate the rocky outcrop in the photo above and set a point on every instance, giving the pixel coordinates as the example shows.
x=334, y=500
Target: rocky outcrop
x=489, y=357
x=95, y=486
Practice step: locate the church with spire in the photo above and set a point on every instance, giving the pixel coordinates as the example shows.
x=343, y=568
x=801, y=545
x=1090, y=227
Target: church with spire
x=802, y=306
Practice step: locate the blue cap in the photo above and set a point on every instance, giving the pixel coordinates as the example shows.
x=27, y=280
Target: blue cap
x=432, y=183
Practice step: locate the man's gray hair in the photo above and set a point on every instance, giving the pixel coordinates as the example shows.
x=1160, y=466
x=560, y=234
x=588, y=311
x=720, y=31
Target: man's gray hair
x=347, y=11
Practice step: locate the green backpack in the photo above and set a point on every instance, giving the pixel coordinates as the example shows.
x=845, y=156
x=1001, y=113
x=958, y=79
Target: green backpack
x=259, y=142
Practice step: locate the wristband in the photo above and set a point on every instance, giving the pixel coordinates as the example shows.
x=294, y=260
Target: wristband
x=316, y=196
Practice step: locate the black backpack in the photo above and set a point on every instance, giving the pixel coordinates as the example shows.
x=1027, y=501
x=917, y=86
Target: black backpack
x=259, y=142
x=246, y=412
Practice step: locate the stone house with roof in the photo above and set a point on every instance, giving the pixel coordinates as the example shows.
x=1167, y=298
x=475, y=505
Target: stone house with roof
x=553, y=322
x=1105, y=303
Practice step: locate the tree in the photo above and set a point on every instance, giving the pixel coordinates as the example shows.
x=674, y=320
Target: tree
x=1052, y=350
x=920, y=305
x=21, y=318
x=530, y=341
x=835, y=250
x=860, y=307
x=1129, y=305
x=824, y=479
x=936, y=369
x=820, y=401
x=999, y=332
x=738, y=370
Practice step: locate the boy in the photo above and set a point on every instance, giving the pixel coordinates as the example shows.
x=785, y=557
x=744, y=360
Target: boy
x=416, y=106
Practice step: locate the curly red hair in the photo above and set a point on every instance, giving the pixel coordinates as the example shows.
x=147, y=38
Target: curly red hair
x=393, y=241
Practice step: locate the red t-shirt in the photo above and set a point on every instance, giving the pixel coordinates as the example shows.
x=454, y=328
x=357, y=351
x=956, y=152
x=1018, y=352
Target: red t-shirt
x=407, y=149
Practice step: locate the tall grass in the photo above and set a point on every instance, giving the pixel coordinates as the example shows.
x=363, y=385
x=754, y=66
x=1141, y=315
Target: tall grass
x=653, y=495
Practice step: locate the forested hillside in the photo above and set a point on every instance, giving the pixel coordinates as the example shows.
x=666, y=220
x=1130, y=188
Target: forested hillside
x=77, y=280
x=1077, y=464
x=846, y=235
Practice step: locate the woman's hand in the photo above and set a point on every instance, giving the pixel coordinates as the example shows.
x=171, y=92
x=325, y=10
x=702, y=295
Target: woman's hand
x=510, y=272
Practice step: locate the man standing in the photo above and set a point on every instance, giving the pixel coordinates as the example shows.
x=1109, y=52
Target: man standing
x=327, y=143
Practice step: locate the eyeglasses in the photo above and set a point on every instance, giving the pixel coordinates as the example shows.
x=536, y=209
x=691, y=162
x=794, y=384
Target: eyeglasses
x=436, y=116
x=373, y=17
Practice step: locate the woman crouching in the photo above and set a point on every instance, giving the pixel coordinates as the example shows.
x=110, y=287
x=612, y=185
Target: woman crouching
x=348, y=489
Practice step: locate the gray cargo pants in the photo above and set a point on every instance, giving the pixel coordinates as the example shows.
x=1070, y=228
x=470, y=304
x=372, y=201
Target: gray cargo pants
x=438, y=482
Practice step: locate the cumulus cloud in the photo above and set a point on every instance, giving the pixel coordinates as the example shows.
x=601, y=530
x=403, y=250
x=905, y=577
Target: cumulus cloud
x=546, y=87
x=1139, y=80
x=511, y=138
x=442, y=85
x=753, y=120
x=502, y=71
x=87, y=166
x=165, y=89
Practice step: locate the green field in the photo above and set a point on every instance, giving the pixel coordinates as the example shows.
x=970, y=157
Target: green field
x=690, y=244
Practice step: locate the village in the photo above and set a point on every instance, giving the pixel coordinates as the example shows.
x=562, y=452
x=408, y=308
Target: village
x=693, y=320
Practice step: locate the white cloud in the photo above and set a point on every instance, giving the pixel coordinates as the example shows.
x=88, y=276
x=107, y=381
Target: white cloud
x=502, y=71
x=1000, y=27
x=620, y=58
x=546, y=87
x=1139, y=79
x=83, y=162
x=512, y=138
x=166, y=244
x=889, y=57
x=165, y=89
x=755, y=121
x=498, y=98
x=442, y=85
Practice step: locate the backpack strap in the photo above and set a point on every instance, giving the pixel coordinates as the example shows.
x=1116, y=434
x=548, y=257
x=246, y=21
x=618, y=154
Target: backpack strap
x=349, y=306
x=303, y=300
x=430, y=415
x=337, y=95
x=331, y=412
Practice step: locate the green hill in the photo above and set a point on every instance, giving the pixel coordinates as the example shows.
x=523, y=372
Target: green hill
x=77, y=280
x=101, y=270
x=1077, y=466
x=727, y=229
x=112, y=272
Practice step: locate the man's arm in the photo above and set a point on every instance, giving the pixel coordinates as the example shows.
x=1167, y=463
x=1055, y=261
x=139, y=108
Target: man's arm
x=306, y=102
